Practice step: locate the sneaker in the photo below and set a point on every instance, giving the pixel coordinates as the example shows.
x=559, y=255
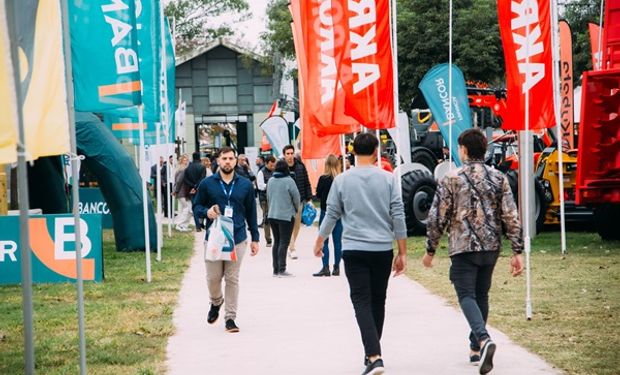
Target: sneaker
x=231, y=327
x=486, y=356
x=268, y=243
x=275, y=274
x=474, y=359
x=293, y=254
x=374, y=368
x=285, y=274
x=182, y=228
x=336, y=271
x=214, y=313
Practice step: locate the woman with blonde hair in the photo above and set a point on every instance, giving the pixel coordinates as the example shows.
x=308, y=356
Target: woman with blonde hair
x=333, y=167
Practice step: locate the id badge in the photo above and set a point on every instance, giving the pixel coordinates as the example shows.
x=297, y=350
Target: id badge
x=228, y=211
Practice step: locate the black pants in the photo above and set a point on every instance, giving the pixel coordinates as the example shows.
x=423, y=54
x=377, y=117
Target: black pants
x=471, y=274
x=368, y=273
x=282, y=231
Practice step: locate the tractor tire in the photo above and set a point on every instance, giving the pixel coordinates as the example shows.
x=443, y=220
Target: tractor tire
x=539, y=193
x=425, y=157
x=606, y=218
x=418, y=191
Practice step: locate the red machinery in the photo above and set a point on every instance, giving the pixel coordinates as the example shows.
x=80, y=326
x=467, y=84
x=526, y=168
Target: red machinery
x=598, y=169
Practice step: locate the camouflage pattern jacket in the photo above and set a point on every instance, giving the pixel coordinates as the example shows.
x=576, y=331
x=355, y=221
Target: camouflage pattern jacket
x=473, y=202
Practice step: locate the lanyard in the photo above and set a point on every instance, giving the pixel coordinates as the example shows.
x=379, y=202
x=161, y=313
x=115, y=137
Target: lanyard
x=229, y=193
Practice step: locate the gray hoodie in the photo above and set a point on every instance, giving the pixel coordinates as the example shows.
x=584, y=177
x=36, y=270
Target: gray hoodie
x=283, y=197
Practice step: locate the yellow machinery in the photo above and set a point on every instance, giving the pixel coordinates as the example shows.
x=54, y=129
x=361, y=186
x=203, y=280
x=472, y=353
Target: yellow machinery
x=548, y=171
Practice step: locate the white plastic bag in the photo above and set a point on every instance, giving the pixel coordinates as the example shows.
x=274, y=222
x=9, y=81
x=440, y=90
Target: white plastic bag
x=221, y=242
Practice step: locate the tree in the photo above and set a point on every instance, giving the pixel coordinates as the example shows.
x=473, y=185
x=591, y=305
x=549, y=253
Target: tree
x=278, y=39
x=579, y=13
x=423, y=42
x=194, y=23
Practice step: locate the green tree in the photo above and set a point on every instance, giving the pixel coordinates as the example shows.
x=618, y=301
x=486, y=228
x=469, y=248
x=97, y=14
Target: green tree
x=194, y=23
x=278, y=39
x=579, y=13
x=423, y=42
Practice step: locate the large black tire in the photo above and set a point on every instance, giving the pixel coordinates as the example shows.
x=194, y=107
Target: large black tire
x=606, y=218
x=418, y=191
x=539, y=192
x=425, y=157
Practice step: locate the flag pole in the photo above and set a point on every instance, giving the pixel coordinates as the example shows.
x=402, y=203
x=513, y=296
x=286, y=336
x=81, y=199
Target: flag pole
x=22, y=193
x=450, y=120
x=526, y=159
x=164, y=120
x=145, y=197
x=159, y=192
x=75, y=184
x=556, y=99
x=600, y=39
x=396, y=93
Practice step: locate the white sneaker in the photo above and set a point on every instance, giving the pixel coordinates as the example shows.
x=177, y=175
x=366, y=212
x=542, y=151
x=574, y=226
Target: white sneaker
x=293, y=254
x=182, y=228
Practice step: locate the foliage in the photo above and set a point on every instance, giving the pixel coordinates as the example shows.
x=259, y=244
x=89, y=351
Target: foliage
x=579, y=13
x=279, y=36
x=575, y=299
x=423, y=42
x=194, y=20
x=128, y=321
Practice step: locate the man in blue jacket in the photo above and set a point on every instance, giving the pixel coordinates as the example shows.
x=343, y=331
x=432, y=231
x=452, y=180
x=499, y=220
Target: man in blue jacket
x=229, y=194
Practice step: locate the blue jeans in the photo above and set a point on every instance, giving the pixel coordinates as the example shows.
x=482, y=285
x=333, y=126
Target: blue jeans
x=336, y=240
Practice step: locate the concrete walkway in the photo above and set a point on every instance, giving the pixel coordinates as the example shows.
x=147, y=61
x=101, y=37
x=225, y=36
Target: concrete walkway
x=306, y=325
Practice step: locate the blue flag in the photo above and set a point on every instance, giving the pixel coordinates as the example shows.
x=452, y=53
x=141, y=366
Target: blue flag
x=104, y=55
x=434, y=87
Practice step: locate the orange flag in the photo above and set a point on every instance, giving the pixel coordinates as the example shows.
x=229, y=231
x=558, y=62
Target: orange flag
x=526, y=37
x=566, y=89
x=594, y=45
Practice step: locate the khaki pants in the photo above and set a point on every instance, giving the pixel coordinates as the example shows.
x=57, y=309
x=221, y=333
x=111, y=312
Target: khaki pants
x=229, y=271
x=296, y=227
x=266, y=225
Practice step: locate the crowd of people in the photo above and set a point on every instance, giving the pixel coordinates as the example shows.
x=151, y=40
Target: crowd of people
x=361, y=209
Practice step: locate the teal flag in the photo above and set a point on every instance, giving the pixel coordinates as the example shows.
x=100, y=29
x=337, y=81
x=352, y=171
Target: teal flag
x=104, y=54
x=435, y=88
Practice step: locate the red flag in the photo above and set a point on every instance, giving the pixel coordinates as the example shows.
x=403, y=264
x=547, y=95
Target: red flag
x=566, y=86
x=525, y=30
x=595, y=31
x=312, y=145
x=365, y=56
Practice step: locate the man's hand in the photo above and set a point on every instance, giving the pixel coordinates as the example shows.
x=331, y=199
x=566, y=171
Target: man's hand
x=318, y=247
x=213, y=212
x=193, y=191
x=516, y=265
x=400, y=264
x=254, y=248
x=427, y=260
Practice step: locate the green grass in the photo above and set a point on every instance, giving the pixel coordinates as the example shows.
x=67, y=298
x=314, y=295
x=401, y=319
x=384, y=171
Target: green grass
x=576, y=300
x=128, y=321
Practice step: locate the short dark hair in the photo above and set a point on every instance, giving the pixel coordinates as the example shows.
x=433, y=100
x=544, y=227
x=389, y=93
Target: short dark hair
x=282, y=167
x=475, y=142
x=196, y=155
x=287, y=147
x=225, y=150
x=270, y=159
x=365, y=144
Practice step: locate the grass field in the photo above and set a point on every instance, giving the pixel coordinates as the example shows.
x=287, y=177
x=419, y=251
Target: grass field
x=576, y=300
x=127, y=320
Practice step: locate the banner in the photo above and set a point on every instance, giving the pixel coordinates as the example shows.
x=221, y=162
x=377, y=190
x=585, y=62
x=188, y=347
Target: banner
x=365, y=66
x=597, y=54
x=104, y=54
x=525, y=29
x=8, y=106
x=566, y=87
x=313, y=146
x=93, y=202
x=401, y=133
x=53, y=248
x=275, y=129
x=435, y=88
x=42, y=69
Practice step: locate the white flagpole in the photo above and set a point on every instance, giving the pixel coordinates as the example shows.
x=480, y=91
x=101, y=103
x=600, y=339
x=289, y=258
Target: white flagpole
x=378, y=135
x=159, y=192
x=75, y=185
x=22, y=193
x=396, y=92
x=165, y=122
x=450, y=120
x=145, y=197
x=525, y=161
x=556, y=100
x=600, y=39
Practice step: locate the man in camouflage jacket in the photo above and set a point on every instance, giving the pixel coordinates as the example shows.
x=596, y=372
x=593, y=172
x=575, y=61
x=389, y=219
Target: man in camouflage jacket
x=473, y=202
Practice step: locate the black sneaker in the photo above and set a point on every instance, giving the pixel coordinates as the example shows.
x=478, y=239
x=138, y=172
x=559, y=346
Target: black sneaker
x=336, y=271
x=486, y=356
x=214, y=313
x=374, y=368
x=474, y=359
x=231, y=326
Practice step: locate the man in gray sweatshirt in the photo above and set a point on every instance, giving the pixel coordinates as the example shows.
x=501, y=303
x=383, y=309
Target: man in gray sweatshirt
x=368, y=201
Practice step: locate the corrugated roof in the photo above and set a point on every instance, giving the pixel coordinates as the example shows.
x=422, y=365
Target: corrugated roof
x=224, y=42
